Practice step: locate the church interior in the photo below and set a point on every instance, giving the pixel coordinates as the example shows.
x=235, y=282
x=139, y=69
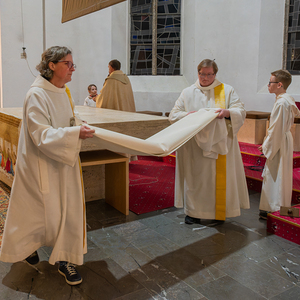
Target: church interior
x=139, y=246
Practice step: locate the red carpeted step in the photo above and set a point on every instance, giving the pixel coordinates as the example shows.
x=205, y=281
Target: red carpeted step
x=254, y=162
x=285, y=227
x=251, y=155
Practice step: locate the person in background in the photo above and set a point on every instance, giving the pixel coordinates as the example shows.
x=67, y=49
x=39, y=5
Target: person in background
x=117, y=91
x=46, y=206
x=278, y=147
x=91, y=99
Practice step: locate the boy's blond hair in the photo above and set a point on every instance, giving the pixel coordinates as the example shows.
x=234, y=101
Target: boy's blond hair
x=284, y=77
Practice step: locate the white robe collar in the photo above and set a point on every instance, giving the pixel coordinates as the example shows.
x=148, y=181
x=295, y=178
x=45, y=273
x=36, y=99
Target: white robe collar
x=43, y=83
x=207, y=88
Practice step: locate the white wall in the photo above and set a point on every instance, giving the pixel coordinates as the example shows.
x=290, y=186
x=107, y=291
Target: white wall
x=89, y=37
x=244, y=37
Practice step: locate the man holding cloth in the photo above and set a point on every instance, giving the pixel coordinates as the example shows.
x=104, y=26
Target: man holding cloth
x=210, y=185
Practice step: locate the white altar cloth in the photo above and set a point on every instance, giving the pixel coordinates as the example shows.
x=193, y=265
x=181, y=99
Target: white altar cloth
x=162, y=143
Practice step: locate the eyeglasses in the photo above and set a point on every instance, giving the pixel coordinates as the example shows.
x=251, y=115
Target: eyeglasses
x=209, y=76
x=69, y=63
x=272, y=82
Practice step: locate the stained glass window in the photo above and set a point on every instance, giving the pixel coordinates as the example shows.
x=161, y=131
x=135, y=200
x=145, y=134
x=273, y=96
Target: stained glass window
x=167, y=37
x=293, y=43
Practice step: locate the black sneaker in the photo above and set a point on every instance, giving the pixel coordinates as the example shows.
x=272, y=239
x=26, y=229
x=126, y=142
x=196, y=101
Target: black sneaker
x=68, y=270
x=33, y=259
x=263, y=214
x=190, y=220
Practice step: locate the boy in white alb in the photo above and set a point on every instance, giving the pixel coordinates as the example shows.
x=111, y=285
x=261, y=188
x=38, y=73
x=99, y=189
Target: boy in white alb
x=278, y=147
x=91, y=99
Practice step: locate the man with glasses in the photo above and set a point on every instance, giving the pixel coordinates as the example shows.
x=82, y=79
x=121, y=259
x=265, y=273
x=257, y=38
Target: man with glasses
x=210, y=186
x=278, y=147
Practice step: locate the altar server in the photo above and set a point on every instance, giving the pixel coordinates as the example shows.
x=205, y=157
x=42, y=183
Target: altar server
x=90, y=100
x=278, y=147
x=117, y=91
x=47, y=207
x=210, y=187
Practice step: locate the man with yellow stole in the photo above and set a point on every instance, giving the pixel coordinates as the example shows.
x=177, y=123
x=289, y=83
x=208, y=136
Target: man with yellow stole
x=210, y=186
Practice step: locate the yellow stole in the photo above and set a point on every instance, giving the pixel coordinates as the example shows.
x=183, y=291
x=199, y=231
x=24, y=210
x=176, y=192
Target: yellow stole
x=81, y=177
x=220, y=163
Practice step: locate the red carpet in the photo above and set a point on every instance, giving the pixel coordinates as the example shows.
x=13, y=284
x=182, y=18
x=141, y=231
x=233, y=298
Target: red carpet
x=151, y=184
x=286, y=227
x=254, y=163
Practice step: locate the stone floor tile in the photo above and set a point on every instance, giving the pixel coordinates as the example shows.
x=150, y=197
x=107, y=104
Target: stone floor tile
x=190, y=266
x=226, y=288
x=266, y=247
x=158, y=246
x=144, y=237
x=106, y=280
x=94, y=253
x=255, y=277
x=100, y=234
x=176, y=215
x=181, y=235
x=129, y=229
x=157, y=221
x=110, y=243
x=233, y=238
x=286, y=265
x=203, y=276
x=130, y=259
x=141, y=294
x=291, y=294
x=160, y=281
x=209, y=251
x=252, y=221
x=282, y=243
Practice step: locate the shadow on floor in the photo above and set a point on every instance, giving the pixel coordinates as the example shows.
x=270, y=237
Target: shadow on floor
x=165, y=272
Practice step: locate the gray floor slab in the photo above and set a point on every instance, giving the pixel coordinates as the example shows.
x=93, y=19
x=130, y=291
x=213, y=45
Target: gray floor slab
x=158, y=256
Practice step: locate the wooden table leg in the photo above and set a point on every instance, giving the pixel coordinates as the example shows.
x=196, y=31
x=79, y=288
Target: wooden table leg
x=117, y=186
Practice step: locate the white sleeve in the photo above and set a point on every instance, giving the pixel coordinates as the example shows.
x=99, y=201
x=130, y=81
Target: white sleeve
x=61, y=144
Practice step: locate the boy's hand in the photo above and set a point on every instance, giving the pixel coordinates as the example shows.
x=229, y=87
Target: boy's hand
x=223, y=113
x=85, y=132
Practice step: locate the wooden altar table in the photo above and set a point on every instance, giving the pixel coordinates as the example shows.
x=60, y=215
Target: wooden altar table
x=101, y=163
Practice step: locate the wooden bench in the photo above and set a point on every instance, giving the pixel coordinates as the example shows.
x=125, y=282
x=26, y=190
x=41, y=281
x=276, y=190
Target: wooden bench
x=116, y=177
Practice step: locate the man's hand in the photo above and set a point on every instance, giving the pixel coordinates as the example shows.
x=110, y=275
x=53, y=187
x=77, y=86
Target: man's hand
x=260, y=148
x=85, y=132
x=223, y=113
